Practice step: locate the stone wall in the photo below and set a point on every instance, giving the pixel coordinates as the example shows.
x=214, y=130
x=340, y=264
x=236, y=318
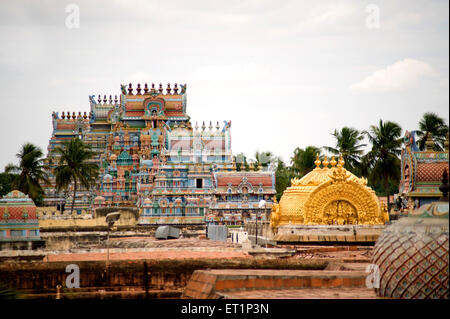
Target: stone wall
x=65, y=238
x=165, y=275
x=53, y=219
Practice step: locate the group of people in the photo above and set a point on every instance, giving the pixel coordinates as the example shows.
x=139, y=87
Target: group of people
x=402, y=203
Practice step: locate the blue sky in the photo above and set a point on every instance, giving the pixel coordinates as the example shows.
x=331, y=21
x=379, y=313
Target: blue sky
x=286, y=73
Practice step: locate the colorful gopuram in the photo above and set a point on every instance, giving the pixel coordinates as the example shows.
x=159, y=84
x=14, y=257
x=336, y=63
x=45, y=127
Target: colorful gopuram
x=19, y=227
x=421, y=171
x=149, y=153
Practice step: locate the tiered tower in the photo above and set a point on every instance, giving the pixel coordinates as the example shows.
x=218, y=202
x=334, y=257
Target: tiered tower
x=149, y=154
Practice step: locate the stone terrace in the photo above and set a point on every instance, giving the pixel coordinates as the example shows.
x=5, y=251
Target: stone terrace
x=273, y=284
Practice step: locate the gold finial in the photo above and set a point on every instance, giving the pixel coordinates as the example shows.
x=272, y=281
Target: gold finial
x=429, y=143
x=317, y=162
x=341, y=161
x=333, y=162
x=325, y=162
x=446, y=143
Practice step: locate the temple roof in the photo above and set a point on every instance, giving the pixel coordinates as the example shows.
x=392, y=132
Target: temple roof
x=430, y=172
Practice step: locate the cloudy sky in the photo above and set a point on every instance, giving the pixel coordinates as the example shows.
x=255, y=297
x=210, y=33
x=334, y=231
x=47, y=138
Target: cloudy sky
x=286, y=73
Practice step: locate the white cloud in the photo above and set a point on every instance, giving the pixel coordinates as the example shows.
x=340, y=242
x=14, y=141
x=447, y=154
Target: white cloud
x=326, y=17
x=401, y=75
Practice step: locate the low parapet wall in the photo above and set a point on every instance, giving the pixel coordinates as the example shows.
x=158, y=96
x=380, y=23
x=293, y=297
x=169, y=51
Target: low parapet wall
x=328, y=233
x=36, y=278
x=316, y=233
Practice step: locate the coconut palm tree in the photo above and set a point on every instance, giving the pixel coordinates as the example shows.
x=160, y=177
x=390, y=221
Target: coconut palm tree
x=75, y=167
x=433, y=124
x=303, y=160
x=31, y=172
x=383, y=157
x=241, y=162
x=264, y=159
x=348, y=143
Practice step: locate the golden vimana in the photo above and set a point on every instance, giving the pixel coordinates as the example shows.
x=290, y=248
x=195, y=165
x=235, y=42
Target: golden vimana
x=329, y=196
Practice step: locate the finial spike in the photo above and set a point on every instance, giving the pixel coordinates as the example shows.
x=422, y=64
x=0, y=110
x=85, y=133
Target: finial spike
x=325, y=162
x=429, y=143
x=317, y=162
x=341, y=161
x=138, y=89
x=333, y=162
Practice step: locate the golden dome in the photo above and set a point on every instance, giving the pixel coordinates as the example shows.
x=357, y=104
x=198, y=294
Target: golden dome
x=328, y=196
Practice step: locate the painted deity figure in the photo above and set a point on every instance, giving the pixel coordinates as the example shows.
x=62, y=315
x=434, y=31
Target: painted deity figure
x=406, y=179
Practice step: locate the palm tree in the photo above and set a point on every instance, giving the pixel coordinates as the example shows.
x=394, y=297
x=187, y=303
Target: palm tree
x=383, y=157
x=303, y=160
x=348, y=143
x=433, y=124
x=31, y=172
x=241, y=162
x=264, y=159
x=74, y=167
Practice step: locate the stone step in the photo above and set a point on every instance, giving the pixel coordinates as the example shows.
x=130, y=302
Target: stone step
x=215, y=283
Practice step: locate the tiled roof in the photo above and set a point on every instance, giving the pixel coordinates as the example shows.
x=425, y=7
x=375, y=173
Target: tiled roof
x=431, y=172
x=65, y=126
x=236, y=179
x=134, y=113
x=175, y=113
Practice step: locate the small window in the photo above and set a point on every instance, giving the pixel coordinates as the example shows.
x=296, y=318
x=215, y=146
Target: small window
x=16, y=233
x=33, y=233
x=199, y=183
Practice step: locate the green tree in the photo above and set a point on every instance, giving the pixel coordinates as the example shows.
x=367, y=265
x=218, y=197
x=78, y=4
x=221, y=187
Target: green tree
x=383, y=158
x=75, y=167
x=264, y=159
x=30, y=172
x=241, y=162
x=6, y=182
x=348, y=143
x=303, y=160
x=433, y=124
x=282, y=178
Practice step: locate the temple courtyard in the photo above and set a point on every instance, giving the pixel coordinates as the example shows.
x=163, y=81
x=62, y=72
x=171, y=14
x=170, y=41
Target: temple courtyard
x=191, y=268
